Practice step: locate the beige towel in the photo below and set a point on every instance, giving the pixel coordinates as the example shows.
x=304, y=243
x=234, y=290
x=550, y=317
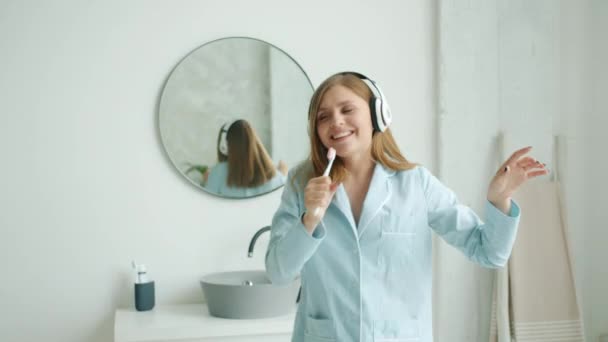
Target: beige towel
x=500, y=328
x=541, y=293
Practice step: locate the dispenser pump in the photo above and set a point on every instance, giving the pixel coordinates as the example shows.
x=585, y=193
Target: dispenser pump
x=141, y=273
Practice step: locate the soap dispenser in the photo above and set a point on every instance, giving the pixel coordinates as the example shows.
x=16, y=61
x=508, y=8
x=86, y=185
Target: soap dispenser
x=144, y=288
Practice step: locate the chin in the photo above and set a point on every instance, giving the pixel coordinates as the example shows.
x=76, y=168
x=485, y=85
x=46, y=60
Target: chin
x=343, y=152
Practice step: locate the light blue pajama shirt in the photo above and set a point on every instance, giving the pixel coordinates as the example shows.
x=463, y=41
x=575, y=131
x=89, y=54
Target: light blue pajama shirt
x=372, y=282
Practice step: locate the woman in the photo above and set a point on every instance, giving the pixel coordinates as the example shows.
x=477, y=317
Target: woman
x=365, y=258
x=244, y=167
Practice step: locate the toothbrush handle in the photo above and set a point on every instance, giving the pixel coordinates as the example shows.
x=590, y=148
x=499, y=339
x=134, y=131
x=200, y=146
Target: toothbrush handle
x=328, y=168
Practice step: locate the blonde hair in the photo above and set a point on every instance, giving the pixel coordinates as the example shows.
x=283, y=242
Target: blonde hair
x=249, y=164
x=384, y=149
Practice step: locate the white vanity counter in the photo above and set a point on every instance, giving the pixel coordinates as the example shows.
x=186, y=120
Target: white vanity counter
x=192, y=322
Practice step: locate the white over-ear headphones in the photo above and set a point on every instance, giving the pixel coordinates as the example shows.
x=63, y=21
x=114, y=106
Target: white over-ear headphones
x=379, y=109
x=223, y=145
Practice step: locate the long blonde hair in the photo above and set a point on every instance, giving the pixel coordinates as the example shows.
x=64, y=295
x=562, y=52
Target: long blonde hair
x=384, y=149
x=249, y=164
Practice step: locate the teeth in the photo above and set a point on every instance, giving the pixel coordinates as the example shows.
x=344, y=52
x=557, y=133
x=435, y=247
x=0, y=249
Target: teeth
x=341, y=135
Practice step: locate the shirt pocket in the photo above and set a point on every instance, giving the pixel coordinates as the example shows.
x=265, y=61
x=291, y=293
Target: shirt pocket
x=398, y=235
x=396, y=330
x=319, y=330
x=400, y=222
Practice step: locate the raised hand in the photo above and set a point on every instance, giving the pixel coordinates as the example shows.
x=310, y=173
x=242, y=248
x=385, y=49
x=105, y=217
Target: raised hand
x=317, y=194
x=512, y=174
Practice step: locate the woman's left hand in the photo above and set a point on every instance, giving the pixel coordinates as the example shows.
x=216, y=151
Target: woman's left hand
x=511, y=175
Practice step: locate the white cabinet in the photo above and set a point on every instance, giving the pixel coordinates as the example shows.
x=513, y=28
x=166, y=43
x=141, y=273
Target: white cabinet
x=192, y=323
x=276, y=338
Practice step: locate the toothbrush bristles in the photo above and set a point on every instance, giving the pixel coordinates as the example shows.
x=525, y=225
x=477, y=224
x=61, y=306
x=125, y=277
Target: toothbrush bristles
x=331, y=153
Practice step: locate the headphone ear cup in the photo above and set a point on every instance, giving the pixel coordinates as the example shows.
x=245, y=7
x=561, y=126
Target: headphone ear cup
x=379, y=114
x=374, y=112
x=224, y=143
x=386, y=116
x=379, y=110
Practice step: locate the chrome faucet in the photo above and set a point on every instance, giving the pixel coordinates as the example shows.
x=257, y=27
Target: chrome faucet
x=250, y=251
x=255, y=238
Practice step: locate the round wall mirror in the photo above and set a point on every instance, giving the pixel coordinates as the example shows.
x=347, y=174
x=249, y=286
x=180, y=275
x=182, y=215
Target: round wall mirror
x=233, y=116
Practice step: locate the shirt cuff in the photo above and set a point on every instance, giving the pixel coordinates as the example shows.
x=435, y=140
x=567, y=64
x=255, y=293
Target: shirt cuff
x=318, y=233
x=514, y=212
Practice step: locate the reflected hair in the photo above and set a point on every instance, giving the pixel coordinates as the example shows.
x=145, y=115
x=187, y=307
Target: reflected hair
x=384, y=149
x=249, y=164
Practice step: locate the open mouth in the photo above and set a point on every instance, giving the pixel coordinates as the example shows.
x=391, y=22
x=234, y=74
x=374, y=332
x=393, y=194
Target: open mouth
x=341, y=136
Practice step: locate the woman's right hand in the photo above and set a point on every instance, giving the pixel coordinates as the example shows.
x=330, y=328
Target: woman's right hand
x=282, y=168
x=317, y=194
x=206, y=176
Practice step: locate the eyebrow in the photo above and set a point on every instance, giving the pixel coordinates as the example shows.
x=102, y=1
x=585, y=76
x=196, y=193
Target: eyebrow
x=342, y=103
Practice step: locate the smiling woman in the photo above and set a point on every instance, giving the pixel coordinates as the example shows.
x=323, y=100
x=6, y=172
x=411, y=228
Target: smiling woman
x=363, y=233
x=226, y=81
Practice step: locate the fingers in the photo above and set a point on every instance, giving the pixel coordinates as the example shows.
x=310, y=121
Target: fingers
x=533, y=174
x=520, y=153
x=515, y=156
x=528, y=163
x=282, y=166
x=319, y=184
x=318, y=193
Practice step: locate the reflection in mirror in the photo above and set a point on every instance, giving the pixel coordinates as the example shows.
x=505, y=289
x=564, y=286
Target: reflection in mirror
x=244, y=168
x=240, y=96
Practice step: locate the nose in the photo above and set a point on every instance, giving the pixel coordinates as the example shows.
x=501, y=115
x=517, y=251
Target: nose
x=336, y=120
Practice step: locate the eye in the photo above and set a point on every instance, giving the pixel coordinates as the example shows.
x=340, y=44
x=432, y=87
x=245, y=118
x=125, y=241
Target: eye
x=321, y=117
x=347, y=109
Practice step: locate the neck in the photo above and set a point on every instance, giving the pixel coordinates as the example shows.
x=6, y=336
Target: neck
x=360, y=167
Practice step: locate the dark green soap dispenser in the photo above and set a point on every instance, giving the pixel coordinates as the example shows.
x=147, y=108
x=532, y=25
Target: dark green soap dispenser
x=144, y=289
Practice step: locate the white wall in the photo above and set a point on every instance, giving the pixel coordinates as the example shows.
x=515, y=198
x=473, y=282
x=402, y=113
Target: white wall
x=86, y=186
x=532, y=69
x=290, y=92
x=595, y=170
x=468, y=122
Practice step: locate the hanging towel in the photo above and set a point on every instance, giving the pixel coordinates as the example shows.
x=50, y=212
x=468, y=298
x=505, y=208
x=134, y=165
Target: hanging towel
x=542, y=296
x=500, y=328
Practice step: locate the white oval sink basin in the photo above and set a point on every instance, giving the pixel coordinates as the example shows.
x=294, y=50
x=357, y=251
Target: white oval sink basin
x=248, y=295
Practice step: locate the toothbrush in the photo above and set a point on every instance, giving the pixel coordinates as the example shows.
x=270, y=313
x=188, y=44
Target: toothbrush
x=331, y=155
